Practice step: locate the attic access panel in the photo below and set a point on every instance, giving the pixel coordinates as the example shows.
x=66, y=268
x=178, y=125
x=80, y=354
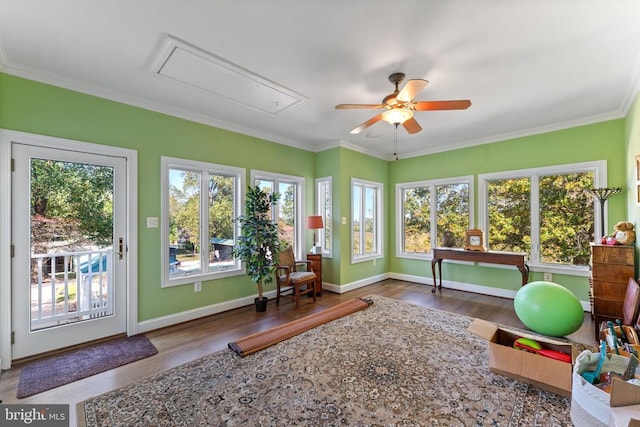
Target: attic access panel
x=195, y=67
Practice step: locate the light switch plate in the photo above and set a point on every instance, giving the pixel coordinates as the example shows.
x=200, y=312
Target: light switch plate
x=152, y=222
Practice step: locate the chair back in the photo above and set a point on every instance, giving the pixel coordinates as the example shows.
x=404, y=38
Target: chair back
x=287, y=258
x=631, y=303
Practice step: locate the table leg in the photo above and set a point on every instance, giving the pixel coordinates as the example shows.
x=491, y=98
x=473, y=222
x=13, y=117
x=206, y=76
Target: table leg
x=524, y=270
x=433, y=273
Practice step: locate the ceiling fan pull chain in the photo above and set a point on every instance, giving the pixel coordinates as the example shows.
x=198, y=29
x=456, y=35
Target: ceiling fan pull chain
x=395, y=140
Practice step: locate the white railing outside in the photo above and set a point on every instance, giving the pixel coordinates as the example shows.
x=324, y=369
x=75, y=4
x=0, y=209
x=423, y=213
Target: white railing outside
x=77, y=286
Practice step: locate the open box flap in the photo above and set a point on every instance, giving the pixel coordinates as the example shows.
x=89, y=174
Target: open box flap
x=624, y=393
x=483, y=329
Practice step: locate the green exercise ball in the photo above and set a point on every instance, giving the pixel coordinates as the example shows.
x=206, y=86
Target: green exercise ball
x=548, y=309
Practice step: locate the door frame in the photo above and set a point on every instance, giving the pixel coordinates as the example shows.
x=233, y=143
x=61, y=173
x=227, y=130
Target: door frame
x=7, y=137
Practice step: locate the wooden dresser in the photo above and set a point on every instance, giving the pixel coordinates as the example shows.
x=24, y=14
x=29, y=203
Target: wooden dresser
x=316, y=266
x=611, y=268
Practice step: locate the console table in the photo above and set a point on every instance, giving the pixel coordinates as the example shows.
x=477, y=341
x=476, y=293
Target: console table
x=516, y=259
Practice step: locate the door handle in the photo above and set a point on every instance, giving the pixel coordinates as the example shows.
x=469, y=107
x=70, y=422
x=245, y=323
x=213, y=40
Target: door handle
x=120, y=248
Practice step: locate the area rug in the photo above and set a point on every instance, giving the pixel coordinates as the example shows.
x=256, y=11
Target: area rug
x=53, y=372
x=263, y=339
x=393, y=364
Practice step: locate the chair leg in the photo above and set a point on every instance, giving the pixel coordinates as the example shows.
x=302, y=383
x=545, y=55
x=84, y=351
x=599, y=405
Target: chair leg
x=297, y=295
x=278, y=294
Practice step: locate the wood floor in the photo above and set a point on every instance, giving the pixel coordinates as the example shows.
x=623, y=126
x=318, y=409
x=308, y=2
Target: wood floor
x=187, y=341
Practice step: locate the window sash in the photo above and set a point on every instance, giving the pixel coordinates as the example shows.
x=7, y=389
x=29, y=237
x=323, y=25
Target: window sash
x=324, y=209
x=534, y=175
x=366, y=220
x=211, y=257
x=433, y=212
x=289, y=211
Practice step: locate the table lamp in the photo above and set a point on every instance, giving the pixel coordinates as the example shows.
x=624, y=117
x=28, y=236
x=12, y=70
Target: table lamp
x=314, y=222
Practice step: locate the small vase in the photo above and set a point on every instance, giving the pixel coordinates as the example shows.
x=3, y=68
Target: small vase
x=261, y=305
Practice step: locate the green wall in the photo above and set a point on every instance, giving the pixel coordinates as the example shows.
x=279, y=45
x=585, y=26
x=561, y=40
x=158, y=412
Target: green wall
x=44, y=109
x=632, y=138
x=580, y=144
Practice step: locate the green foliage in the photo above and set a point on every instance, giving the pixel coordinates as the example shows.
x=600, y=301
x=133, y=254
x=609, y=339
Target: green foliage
x=565, y=212
x=77, y=198
x=259, y=241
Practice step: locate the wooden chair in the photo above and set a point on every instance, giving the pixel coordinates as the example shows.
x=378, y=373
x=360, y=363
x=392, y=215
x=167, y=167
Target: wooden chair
x=290, y=281
x=631, y=303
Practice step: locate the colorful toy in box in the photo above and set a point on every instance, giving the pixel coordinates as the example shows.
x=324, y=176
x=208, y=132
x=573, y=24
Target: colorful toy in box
x=534, y=346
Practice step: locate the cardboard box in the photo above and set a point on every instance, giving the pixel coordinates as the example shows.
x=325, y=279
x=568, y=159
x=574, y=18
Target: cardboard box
x=543, y=372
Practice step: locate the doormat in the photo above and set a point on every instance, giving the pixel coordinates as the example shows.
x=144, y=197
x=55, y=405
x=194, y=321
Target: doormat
x=53, y=372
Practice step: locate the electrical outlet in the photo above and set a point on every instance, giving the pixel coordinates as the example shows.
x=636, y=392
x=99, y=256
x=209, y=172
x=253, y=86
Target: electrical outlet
x=197, y=287
x=548, y=277
x=374, y=262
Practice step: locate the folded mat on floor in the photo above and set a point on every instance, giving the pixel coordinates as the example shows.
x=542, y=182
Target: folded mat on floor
x=261, y=340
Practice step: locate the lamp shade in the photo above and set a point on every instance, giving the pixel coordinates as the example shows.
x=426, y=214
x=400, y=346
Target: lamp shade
x=397, y=115
x=314, y=222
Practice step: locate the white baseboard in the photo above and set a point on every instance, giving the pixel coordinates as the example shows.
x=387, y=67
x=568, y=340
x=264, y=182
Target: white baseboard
x=354, y=285
x=467, y=287
x=185, y=316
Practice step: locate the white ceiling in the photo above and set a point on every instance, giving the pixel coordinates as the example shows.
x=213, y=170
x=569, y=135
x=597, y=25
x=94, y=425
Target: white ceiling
x=528, y=66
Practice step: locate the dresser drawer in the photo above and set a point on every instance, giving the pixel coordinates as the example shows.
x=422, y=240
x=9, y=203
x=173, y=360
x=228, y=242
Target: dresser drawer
x=607, y=307
x=612, y=272
x=608, y=290
x=612, y=254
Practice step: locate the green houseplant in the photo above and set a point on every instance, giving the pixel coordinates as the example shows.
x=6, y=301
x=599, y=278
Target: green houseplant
x=259, y=241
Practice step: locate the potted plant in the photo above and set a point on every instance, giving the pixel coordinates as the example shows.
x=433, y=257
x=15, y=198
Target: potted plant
x=259, y=241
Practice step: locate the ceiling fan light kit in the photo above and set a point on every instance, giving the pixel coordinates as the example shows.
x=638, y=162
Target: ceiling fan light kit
x=397, y=116
x=400, y=106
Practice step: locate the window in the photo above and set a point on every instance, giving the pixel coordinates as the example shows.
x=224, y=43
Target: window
x=426, y=209
x=323, y=208
x=288, y=211
x=366, y=222
x=200, y=202
x=544, y=212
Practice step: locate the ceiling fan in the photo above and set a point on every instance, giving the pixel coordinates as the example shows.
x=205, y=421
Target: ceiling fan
x=400, y=105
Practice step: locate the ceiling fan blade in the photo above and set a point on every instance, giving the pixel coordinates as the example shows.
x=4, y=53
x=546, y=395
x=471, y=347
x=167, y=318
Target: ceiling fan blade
x=373, y=120
x=348, y=106
x=461, y=104
x=411, y=89
x=412, y=126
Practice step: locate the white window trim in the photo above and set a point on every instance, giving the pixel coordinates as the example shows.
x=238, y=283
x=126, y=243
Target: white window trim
x=379, y=221
x=300, y=243
x=196, y=166
x=599, y=169
x=320, y=210
x=432, y=183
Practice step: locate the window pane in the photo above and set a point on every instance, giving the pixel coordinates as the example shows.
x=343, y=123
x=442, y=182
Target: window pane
x=452, y=204
x=417, y=220
x=267, y=186
x=184, y=222
x=324, y=209
x=566, y=218
x=357, y=201
x=370, y=243
x=287, y=212
x=221, y=226
x=508, y=205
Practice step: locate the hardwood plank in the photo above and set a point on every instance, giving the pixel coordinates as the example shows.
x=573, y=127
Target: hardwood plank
x=187, y=341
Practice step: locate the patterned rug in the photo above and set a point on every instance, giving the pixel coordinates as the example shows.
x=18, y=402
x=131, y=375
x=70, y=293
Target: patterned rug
x=393, y=364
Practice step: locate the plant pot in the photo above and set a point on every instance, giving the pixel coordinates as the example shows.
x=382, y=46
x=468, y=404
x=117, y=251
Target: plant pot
x=261, y=305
